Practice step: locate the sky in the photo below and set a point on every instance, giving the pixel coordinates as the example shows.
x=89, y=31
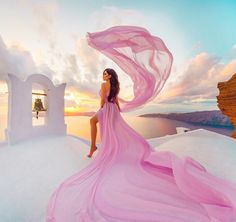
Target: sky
x=49, y=37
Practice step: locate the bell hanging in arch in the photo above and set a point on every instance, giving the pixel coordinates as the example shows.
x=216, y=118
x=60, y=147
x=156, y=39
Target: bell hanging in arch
x=38, y=106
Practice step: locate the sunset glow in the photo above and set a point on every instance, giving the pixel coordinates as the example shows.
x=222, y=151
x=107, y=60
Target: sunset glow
x=48, y=40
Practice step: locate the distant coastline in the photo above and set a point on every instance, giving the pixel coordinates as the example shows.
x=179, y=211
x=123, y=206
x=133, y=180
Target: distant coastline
x=213, y=118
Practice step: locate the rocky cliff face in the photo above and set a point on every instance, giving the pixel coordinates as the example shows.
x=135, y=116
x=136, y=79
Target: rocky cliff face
x=227, y=100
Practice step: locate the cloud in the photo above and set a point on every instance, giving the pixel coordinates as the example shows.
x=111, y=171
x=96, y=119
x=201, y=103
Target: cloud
x=43, y=14
x=69, y=99
x=80, y=66
x=82, y=69
x=198, y=83
x=108, y=16
x=90, y=60
x=232, y=52
x=17, y=60
x=65, y=59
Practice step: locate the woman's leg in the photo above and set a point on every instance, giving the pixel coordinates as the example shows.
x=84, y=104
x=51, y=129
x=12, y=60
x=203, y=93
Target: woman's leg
x=93, y=125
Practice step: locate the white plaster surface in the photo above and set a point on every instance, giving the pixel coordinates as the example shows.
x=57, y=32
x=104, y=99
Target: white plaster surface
x=32, y=169
x=20, y=108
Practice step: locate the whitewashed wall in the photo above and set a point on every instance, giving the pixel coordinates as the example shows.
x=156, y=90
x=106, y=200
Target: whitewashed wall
x=20, y=108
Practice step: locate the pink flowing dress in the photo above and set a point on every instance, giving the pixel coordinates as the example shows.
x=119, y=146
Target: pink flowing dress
x=129, y=181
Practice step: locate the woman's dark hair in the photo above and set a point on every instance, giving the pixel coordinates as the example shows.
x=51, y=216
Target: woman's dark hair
x=115, y=85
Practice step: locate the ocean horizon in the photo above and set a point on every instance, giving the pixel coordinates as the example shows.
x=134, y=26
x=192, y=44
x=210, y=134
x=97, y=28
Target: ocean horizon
x=148, y=127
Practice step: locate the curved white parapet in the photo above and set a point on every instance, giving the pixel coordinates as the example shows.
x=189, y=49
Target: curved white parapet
x=20, y=108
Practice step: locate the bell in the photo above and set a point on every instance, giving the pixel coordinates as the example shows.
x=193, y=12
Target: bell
x=38, y=106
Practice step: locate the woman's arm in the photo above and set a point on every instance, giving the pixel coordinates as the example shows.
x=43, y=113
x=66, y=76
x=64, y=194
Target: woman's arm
x=103, y=94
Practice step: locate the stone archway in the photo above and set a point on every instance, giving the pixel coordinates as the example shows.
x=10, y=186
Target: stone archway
x=20, y=108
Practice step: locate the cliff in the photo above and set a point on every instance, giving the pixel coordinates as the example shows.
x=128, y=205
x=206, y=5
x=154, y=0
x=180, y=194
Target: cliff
x=227, y=100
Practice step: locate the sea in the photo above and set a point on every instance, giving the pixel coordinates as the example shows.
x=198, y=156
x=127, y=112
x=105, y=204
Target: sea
x=148, y=127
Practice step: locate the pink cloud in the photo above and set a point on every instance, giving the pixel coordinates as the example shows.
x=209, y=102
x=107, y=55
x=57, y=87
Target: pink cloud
x=199, y=81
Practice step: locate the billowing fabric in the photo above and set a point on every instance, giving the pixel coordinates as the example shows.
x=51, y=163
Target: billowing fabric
x=129, y=181
x=145, y=58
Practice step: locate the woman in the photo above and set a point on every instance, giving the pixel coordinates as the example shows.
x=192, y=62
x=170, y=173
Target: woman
x=128, y=180
x=111, y=87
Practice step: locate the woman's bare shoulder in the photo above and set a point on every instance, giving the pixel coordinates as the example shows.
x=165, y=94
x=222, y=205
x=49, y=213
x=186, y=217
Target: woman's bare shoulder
x=106, y=86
